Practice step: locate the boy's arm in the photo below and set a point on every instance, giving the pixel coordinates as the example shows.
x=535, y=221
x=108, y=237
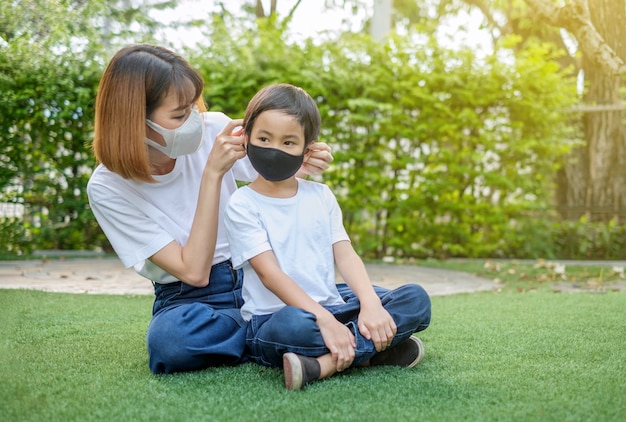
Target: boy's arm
x=375, y=323
x=337, y=337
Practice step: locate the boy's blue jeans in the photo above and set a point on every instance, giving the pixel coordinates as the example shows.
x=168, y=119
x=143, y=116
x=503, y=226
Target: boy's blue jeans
x=295, y=330
x=193, y=328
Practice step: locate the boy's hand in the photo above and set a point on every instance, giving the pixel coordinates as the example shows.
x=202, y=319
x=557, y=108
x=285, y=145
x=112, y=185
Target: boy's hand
x=339, y=340
x=377, y=325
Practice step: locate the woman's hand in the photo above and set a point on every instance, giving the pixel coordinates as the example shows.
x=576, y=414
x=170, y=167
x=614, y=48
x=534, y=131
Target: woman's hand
x=317, y=159
x=228, y=148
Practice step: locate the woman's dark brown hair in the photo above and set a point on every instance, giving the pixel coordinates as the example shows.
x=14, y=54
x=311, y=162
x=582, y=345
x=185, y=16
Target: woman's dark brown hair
x=134, y=84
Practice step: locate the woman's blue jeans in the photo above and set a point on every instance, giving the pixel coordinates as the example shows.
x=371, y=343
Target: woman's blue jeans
x=295, y=330
x=193, y=328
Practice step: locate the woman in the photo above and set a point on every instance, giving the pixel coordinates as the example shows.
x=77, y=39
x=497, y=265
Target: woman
x=167, y=169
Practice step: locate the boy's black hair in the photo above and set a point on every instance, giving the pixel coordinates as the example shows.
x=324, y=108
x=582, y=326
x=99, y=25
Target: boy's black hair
x=294, y=101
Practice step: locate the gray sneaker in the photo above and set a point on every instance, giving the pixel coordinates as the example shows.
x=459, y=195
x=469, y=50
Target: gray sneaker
x=406, y=354
x=299, y=370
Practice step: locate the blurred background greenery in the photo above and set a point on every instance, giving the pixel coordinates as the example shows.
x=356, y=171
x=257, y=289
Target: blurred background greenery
x=511, y=147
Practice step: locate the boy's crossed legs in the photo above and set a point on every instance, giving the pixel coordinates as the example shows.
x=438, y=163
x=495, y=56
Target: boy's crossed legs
x=291, y=338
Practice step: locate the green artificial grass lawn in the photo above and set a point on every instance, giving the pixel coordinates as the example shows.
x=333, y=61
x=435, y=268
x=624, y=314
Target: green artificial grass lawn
x=489, y=356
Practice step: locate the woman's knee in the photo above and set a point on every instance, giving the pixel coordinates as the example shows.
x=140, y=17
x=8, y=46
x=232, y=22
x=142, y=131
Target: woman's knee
x=166, y=343
x=192, y=337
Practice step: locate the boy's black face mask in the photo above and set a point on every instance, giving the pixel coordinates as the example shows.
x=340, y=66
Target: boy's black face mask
x=273, y=164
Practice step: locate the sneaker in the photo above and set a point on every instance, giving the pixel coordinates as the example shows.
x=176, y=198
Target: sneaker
x=299, y=370
x=407, y=354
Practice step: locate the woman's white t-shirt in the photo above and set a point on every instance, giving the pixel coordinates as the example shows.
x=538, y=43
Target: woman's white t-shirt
x=141, y=218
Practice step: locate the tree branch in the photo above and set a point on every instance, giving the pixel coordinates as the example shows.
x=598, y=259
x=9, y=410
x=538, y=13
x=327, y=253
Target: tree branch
x=293, y=9
x=260, y=13
x=487, y=14
x=575, y=18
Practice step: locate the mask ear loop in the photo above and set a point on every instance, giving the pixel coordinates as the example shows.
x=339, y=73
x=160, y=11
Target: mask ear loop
x=171, y=148
x=158, y=141
x=157, y=127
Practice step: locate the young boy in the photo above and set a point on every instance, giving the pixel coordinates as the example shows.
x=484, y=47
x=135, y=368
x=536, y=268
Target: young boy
x=287, y=234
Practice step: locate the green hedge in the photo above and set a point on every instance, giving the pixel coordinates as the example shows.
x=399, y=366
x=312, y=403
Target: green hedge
x=437, y=153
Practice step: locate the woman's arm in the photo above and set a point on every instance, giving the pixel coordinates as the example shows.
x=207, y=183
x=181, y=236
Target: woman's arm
x=192, y=263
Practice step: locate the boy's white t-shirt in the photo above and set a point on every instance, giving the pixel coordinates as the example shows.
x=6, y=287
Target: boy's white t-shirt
x=300, y=231
x=141, y=218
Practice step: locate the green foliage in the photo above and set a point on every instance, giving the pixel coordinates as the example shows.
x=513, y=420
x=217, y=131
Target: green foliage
x=590, y=240
x=236, y=65
x=538, y=236
x=13, y=236
x=48, y=84
x=437, y=153
x=453, y=150
x=50, y=63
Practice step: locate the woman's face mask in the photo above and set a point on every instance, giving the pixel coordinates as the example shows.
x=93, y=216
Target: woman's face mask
x=183, y=140
x=273, y=164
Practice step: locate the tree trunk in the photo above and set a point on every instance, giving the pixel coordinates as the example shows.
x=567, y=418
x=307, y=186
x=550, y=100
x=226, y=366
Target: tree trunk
x=381, y=19
x=593, y=182
x=260, y=11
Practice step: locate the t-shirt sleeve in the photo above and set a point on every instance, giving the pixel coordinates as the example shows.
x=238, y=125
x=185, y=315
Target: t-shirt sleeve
x=132, y=233
x=337, y=229
x=247, y=236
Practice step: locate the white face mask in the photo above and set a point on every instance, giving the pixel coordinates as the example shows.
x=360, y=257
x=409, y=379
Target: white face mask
x=183, y=140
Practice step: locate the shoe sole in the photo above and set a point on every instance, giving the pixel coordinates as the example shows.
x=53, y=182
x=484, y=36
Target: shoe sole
x=292, y=368
x=420, y=351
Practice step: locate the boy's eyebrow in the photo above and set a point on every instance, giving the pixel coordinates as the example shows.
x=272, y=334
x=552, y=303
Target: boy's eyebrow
x=267, y=132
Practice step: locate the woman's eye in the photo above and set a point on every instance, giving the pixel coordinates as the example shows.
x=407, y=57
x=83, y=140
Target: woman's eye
x=186, y=113
x=182, y=116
